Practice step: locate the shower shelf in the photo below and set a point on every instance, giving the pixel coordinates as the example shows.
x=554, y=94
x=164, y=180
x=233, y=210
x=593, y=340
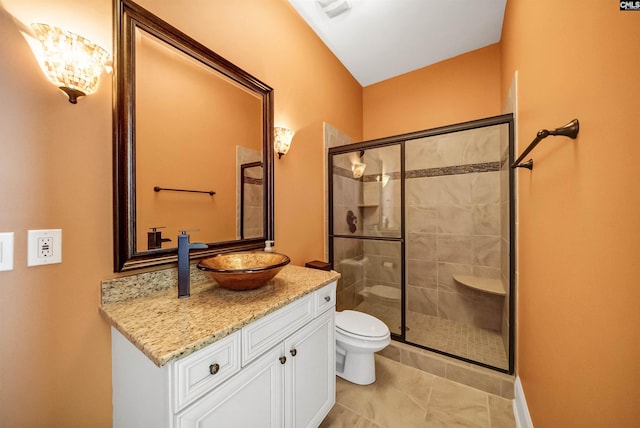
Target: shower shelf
x=487, y=285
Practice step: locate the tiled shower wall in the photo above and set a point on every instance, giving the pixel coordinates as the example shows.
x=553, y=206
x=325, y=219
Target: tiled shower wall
x=384, y=264
x=346, y=197
x=253, y=203
x=453, y=224
x=376, y=204
x=382, y=216
x=456, y=220
x=253, y=198
x=348, y=253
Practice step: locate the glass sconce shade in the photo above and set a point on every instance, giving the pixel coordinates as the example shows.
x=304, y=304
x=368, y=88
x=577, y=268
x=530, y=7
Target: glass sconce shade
x=282, y=140
x=384, y=178
x=70, y=61
x=358, y=169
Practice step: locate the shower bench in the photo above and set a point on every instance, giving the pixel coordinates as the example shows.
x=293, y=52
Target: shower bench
x=487, y=285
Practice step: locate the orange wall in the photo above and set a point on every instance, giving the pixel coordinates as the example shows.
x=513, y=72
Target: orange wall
x=578, y=350
x=460, y=89
x=55, y=172
x=189, y=122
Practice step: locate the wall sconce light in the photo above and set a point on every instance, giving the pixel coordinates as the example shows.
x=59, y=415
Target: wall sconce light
x=358, y=169
x=282, y=140
x=384, y=178
x=71, y=62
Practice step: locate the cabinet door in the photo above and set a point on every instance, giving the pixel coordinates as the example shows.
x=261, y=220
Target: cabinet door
x=310, y=381
x=251, y=399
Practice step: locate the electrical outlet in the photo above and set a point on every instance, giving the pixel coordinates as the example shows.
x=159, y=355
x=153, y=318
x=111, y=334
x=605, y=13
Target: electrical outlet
x=44, y=247
x=6, y=251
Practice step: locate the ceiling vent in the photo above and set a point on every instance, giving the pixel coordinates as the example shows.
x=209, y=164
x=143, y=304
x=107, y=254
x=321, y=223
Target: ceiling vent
x=333, y=8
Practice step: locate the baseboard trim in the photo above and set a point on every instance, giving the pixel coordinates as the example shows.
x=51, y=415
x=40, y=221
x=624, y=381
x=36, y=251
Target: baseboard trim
x=520, y=409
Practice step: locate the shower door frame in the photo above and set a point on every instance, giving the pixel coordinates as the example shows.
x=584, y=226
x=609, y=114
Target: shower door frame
x=401, y=139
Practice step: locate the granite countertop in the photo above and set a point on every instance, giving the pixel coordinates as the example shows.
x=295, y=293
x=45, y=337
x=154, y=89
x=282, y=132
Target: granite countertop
x=147, y=311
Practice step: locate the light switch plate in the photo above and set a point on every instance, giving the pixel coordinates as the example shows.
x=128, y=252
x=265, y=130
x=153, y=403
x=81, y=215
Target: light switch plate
x=6, y=251
x=44, y=247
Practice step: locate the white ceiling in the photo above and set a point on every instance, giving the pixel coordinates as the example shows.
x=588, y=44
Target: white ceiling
x=380, y=39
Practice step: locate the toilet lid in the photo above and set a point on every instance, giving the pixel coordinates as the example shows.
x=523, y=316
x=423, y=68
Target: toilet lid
x=361, y=324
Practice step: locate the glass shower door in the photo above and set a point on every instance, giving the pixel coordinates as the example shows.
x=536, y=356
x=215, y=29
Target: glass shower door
x=420, y=227
x=366, y=230
x=457, y=226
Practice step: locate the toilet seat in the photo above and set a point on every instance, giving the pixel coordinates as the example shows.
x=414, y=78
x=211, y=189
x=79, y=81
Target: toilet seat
x=358, y=325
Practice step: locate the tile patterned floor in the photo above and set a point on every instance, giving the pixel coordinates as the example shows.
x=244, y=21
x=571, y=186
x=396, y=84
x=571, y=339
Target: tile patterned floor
x=404, y=397
x=445, y=335
x=463, y=340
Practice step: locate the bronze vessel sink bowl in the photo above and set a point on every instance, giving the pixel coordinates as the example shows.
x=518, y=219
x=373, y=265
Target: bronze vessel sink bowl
x=243, y=270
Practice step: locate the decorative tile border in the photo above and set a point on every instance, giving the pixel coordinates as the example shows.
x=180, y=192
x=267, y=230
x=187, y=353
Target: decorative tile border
x=376, y=177
x=343, y=172
x=427, y=172
x=252, y=180
x=454, y=170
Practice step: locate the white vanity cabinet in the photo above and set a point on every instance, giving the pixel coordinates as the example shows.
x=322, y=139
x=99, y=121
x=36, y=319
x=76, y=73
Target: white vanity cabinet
x=291, y=385
x=278, y=371
x=310, y=382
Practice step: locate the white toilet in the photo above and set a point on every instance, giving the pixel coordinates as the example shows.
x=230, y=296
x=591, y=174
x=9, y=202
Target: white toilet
x=358, y=336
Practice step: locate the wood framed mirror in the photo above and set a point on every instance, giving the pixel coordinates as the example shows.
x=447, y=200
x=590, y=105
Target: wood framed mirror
x=186, y=123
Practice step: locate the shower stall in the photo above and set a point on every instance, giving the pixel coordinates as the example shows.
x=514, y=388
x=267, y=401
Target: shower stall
x=420, y=228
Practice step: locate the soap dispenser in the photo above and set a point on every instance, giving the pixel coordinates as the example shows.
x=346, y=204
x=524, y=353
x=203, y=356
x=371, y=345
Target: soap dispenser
x=155, y=239
x=268, y=246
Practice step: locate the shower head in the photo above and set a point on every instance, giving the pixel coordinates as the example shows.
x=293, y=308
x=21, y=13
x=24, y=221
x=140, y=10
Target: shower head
x=569, y=130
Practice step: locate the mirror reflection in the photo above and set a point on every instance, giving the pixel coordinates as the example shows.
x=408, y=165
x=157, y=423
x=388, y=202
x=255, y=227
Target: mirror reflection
x=194, y=129
x=193, y=145
x=251, y=204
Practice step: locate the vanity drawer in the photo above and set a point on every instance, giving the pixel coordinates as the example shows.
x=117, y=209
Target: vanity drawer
x=267, y=332
x=205, y=369
x=324, y=298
